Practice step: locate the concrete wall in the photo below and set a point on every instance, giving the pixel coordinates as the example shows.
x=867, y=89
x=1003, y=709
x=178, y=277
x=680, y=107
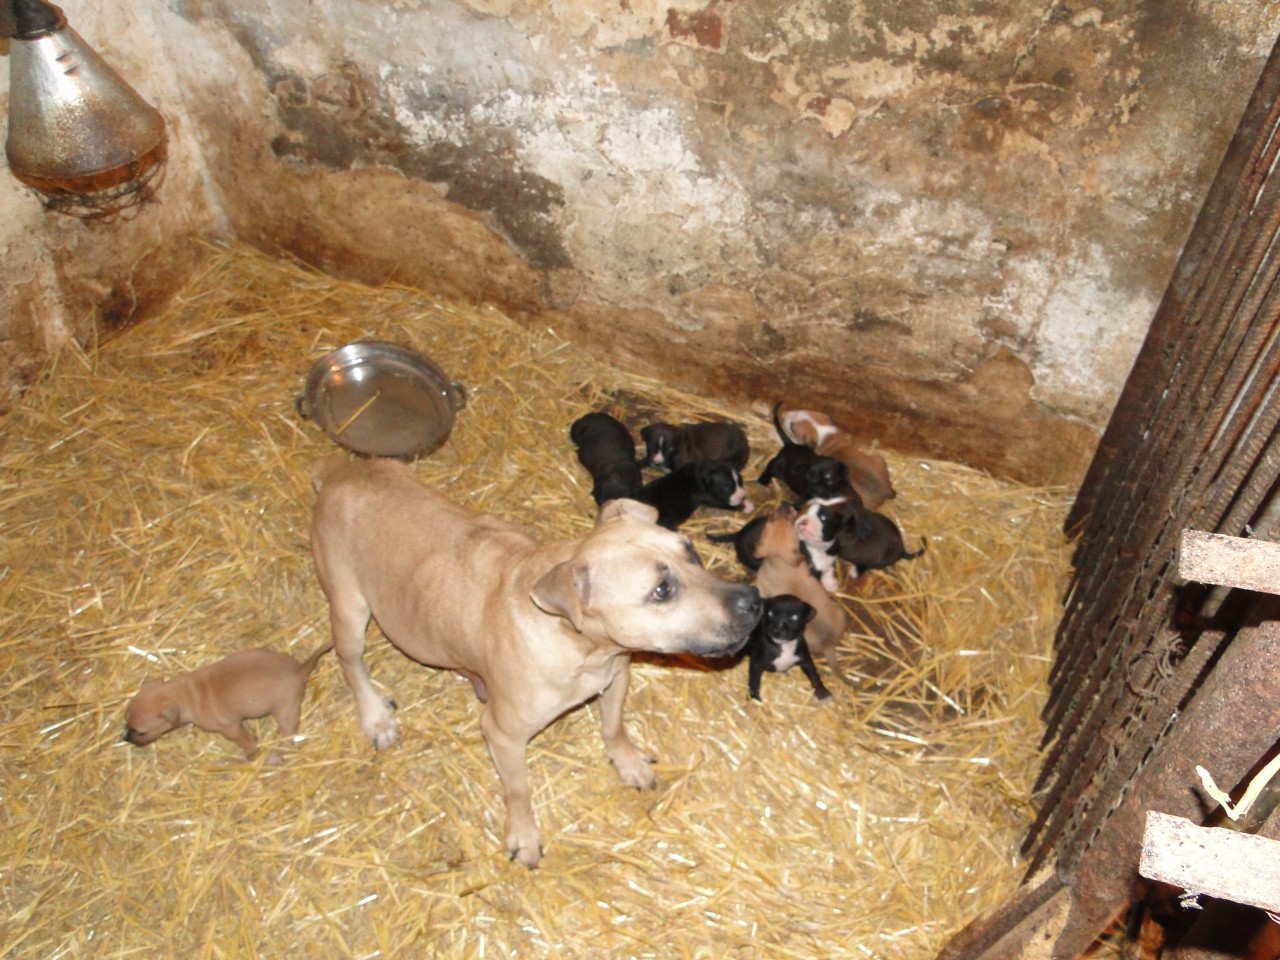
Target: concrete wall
x=949, y=223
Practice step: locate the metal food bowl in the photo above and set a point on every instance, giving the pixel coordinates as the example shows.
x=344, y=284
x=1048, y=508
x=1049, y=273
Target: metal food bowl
x=381, y=399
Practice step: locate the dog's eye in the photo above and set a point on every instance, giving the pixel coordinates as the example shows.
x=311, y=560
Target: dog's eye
x=663, y=591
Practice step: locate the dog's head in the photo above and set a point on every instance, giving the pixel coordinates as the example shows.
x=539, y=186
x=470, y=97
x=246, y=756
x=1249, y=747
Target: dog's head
x=660, y=444
x=722, y=485
x=822, y=518
x=640, y=586
x=785, y=617
x=826, y=477
x=151, y=714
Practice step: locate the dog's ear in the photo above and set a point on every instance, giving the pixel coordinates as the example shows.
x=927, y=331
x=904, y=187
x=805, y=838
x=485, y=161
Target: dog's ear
x=563, y=591
x=625, y=507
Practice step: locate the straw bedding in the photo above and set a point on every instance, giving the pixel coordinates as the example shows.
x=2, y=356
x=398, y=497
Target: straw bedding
x=155, y=511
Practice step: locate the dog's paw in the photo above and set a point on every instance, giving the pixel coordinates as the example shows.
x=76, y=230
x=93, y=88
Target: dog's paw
x=381, y=726
x=385, y=735
x=635, y=768
x=525, y=846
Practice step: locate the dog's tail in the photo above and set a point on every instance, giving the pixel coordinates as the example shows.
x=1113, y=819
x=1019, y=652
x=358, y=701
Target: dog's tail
x=321, y=469
x=777, y=425
x=309, y=664
x=721, y=537
x=923, y=545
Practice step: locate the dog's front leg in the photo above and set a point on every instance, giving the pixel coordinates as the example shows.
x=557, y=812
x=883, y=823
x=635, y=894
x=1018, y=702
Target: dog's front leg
x=632, y=763
x=350, y=620
x=511, y=756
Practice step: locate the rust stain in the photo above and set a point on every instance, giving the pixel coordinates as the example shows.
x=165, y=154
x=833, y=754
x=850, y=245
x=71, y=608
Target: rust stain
x=704, y=27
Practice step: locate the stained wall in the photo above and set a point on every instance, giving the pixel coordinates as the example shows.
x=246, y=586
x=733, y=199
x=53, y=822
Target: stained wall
x=948, y=223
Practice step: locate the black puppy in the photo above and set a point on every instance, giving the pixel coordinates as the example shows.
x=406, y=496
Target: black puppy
x=806, y=472
x=777, y=644
x=608, y=451
x=871, y=541
x=669, y=447
x=680, y=492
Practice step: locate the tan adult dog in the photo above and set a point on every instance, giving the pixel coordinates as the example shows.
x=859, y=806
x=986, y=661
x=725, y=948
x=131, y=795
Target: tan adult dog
x=539, y=628
x=868, y=473
x=219, y=697
x=784, y=569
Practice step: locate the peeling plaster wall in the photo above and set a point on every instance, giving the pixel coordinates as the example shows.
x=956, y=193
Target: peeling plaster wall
x=949, y=223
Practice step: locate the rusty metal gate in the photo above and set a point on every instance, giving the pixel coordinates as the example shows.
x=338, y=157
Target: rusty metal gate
x=1152, y=675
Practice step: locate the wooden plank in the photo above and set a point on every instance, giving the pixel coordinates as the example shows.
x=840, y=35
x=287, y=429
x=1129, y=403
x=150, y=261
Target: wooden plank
x=1221, y=863
x=1229, y=561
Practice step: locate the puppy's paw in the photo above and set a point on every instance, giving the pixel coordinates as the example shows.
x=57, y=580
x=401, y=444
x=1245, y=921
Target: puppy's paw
x=635, y=768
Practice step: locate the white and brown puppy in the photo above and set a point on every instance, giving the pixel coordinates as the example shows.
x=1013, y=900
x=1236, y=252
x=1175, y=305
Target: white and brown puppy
x=868, y=472
x=785, y=569
x=219, y=697
x=540, y=628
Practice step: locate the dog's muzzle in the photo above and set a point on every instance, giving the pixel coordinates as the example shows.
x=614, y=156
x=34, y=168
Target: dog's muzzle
x=747, y=608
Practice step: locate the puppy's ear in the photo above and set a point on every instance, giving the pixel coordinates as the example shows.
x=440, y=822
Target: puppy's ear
x=564, y=590
x=624, y=507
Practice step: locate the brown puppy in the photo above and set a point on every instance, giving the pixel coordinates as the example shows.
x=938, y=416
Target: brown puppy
x=220, y=696
x=784, y=569
x=539, y=628
x=868, y=473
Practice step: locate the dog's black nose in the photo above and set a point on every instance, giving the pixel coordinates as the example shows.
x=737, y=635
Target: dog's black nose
x=130, y=736
x=748, y=603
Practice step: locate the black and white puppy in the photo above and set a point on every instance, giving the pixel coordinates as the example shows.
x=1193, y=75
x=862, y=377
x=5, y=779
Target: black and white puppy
x=777, y=644
x=608, y=451
x=669, y=447
x=679, y=493
x=871, y=541
x=806, y=472
x=818, y=525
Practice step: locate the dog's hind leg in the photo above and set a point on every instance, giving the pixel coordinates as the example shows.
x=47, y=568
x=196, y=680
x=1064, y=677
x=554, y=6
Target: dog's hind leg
x=634, y=766
x=511, y=756
x=239, y=734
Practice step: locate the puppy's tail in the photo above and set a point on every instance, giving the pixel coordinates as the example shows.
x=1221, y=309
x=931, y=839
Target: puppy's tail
x=923, y=545
x=309, y=664
x=777, y=425
x=721, y=537
x=321, y=469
